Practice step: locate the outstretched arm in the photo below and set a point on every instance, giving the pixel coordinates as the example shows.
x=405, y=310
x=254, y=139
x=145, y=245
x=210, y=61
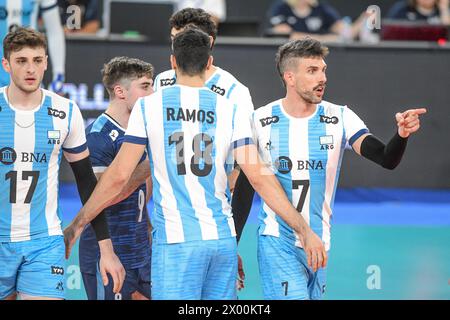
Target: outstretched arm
x=109, y=187
x=390, y=155
x=139, y=176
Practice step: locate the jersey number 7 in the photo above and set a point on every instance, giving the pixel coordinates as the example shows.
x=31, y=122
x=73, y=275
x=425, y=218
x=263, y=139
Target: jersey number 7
x=305, y=184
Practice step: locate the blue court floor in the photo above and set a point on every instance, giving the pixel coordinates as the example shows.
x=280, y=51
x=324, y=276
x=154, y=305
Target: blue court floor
x=386, y=244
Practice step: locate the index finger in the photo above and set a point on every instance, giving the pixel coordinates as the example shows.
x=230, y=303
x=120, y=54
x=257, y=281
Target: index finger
x=116, y=282
x=415, y=111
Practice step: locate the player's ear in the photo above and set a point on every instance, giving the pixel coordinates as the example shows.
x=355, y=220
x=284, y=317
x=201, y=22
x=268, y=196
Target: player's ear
x=288, y=78
x=211, y=41
x=210, y=62
x=173, y=62
x=5, y=64
x=119, y=92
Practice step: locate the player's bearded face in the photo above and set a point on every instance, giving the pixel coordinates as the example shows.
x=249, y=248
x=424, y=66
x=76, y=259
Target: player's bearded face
x=310, y=79
x=27, y=67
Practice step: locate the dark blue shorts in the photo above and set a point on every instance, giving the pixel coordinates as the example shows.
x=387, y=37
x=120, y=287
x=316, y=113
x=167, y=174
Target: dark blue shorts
x=135, y=280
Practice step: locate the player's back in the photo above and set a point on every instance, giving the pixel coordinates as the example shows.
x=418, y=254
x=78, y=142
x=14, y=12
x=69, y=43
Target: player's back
x=221, y=82
x=190, y=131
x=31, y=145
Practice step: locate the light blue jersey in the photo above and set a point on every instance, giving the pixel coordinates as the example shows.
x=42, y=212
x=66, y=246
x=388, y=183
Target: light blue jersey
x=190, y=133
x=19, y=13
x=221, y=82
x=305, y=154
x=31, y=145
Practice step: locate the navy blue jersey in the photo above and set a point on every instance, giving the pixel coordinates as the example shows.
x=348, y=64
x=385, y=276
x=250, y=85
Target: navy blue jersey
x=319, y=21
x=128, y=219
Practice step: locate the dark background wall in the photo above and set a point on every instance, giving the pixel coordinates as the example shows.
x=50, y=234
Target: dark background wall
x=376, y=82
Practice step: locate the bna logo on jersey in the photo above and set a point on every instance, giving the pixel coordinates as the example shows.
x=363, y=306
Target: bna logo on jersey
x=283, y=165
x=8, y=155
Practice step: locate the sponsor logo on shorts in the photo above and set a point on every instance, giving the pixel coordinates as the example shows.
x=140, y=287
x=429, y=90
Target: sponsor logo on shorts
x=60, y=286
x=57, y=270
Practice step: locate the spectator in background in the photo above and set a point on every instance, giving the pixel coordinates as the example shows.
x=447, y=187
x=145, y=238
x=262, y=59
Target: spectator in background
x=84, y=18
x=216, y=8
x=300, y=18
x=431, y=11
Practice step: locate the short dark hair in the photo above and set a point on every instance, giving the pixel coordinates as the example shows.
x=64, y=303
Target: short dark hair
x=20, y=38
x=121, y=69
x=192, y=50
x=194, y=16
x=304, y=48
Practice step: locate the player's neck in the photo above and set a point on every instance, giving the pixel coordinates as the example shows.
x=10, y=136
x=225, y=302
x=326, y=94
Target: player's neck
x=119, y=112
x=195, y=81
x=296, y=107
x=210, y=72
x=21, y=99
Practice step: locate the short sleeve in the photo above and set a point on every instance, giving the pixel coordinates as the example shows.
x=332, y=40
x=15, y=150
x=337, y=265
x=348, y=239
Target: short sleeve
x=353, y=125
x=75, y=141
x=101, y=151
x=241, y=96
x=242, y=129
x=136, y=132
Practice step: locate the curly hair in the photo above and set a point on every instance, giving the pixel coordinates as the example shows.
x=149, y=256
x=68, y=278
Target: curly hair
x=194, y=16
x=20, y=38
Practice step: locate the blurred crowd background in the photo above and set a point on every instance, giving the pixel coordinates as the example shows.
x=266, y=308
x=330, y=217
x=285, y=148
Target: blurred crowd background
x=366, y=21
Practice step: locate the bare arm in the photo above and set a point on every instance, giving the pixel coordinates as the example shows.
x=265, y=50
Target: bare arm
x=138, y=177
x=266, y=184
x=109, y=187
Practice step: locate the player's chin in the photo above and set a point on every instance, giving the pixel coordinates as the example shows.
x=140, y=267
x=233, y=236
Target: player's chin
x=30, y=86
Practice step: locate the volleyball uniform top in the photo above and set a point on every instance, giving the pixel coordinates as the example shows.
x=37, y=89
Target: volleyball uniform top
x=31, y=145
x=305, y=154
x=189, y=133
